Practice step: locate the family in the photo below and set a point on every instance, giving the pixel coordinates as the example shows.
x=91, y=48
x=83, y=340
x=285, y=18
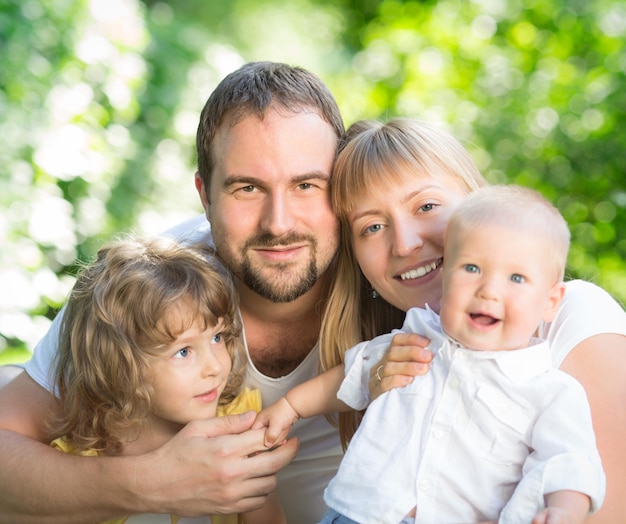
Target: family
x=330, y=238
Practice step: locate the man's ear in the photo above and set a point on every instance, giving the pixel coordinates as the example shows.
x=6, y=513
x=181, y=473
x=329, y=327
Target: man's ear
x=202, y=192
x=555, y=297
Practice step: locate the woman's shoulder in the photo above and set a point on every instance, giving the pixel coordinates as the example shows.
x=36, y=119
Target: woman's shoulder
x=586, y=310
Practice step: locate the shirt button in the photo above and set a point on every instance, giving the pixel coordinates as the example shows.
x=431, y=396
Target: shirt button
x=439, y=433
x=426, y=485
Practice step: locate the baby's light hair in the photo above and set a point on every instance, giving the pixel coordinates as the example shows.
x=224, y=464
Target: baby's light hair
x=118, y=317
x=518, y=208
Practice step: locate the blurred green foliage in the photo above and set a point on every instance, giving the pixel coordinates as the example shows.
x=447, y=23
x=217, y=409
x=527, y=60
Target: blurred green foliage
x=99, y=101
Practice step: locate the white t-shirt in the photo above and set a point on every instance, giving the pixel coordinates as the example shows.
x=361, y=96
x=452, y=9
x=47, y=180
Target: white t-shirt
x=587, y=310
x=483, y=436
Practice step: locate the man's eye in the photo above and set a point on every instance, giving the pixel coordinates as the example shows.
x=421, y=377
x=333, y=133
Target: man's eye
x=248, y=189
x=305, y=185
x=472, y=268
x=518, y=279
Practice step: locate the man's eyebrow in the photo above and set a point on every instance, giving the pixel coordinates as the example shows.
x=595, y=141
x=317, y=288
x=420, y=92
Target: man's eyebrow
x=255, y=181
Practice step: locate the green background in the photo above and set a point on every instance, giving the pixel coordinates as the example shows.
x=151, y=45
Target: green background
x=99, y=102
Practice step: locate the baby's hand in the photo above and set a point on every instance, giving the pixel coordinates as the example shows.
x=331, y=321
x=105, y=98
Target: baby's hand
x=278, y=419
x=552, y=516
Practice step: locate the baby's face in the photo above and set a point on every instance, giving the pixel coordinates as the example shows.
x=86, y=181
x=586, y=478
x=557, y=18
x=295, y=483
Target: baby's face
x=497, y=287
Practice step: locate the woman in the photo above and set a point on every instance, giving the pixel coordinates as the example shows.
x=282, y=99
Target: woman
x=393, y=189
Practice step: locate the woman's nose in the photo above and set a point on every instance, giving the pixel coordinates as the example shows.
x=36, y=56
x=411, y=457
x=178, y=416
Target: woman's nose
x=406, y=239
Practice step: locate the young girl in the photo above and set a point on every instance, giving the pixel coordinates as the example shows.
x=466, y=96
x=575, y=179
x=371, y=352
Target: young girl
x=150, y=342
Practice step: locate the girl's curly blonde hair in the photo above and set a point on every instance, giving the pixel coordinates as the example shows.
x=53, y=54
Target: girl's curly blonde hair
x=117, y=318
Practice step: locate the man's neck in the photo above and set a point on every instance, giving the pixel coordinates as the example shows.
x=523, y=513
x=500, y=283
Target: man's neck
x=281, y=335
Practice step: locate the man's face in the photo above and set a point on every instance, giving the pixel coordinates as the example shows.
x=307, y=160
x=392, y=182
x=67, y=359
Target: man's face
x=269, y=205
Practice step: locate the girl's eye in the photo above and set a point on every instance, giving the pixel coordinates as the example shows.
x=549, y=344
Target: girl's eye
x=182, y=353
x=471, y=268
x=217, y=338
x=517, y=278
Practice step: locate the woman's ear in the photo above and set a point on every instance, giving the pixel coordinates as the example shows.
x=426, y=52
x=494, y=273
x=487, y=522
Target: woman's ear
x=555, y=296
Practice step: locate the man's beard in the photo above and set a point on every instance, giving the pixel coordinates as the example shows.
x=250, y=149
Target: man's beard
x=291, y=286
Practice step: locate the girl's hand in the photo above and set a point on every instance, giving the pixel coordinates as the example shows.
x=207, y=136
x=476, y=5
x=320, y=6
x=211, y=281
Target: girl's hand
x=406, y=358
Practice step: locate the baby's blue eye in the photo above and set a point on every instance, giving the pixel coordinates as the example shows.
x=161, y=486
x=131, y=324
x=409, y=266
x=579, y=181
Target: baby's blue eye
x=518, y=279
x=471, y=268
x=217, y=338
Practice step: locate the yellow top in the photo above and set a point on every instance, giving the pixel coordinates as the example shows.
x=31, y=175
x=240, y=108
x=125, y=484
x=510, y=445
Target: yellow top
x=247, y=400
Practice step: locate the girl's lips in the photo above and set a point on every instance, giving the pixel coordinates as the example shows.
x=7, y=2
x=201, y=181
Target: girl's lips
x=209, y=396
x=420, y=271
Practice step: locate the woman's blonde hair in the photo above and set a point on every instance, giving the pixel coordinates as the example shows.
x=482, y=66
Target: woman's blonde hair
x=118, y=317
x=373, y=156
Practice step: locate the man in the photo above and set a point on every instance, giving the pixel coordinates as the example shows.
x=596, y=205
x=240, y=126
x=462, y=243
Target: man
x=266, y=145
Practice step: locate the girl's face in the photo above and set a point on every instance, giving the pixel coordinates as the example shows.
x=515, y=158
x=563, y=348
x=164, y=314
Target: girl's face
x=397, y=235
x=189, y=375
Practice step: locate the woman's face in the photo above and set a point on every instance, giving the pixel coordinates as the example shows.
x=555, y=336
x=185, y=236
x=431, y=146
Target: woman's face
x=397, y=234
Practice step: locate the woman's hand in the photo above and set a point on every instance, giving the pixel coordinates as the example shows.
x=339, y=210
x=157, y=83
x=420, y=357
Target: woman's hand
x=408, y=356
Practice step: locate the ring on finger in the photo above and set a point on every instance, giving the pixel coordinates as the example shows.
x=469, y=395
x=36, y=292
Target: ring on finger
x=378, y=370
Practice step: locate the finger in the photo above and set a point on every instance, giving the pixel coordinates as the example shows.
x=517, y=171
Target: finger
x=393, y=382
x=409, y=354
x=218, y=426
x=409, y=369
x=271, y=461
x=272, y=434
x=409, y=339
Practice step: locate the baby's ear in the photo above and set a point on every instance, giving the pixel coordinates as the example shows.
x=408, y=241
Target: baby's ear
x=555, y=296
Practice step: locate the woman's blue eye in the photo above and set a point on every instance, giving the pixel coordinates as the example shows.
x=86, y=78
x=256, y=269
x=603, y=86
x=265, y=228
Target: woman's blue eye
x=217, y=338
x=518, y=279
x=374, y=228
x=427, y=207
x=471, y=268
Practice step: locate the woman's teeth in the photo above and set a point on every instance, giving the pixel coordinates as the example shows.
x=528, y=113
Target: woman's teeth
x=420, y=271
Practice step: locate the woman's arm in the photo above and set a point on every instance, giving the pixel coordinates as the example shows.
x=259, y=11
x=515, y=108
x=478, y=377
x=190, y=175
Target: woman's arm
x=406, y=358
x=599, y=364
x=205, y=469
